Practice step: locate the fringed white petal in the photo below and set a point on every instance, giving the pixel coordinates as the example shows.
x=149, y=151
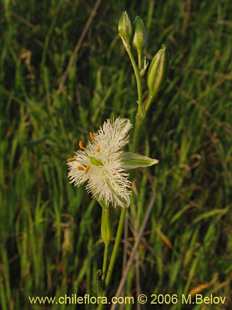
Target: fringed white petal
x=106, y=181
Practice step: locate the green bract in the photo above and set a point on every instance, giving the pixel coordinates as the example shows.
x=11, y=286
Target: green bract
x=133, y=160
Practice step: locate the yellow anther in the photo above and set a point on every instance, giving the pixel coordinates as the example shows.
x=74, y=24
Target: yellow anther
x=81, y=145
x=83, y=167
x=91, y=136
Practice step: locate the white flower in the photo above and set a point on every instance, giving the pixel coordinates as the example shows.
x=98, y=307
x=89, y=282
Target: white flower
x=99, y=164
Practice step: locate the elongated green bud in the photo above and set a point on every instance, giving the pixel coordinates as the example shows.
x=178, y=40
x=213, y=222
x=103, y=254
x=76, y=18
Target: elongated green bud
x=156, y=72
x=125, y=27
x=139, y=35
x=105, y=224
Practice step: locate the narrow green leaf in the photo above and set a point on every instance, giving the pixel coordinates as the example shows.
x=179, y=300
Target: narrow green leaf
x=212, y=213
x=133, y=161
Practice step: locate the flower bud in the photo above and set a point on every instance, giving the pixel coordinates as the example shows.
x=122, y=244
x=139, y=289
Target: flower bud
x=125, y=27
x=67, y=243
x=156, y=72
x=105, y=224
x=139, y=35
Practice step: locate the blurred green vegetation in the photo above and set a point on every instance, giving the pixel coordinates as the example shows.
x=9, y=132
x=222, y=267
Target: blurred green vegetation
x=49, y=230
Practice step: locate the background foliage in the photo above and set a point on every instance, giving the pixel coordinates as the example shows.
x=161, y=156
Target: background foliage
x=49, y=230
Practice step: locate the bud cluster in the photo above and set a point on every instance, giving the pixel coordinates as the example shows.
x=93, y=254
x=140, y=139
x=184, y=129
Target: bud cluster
x=137, y=36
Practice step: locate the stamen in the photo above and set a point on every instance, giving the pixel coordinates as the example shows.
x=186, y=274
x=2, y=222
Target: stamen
x=71, y=159
x=91, y=136
x=81, y=145
x=83, y=167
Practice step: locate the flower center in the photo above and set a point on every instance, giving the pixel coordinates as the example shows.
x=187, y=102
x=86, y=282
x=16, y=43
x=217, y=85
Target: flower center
x=96, y=162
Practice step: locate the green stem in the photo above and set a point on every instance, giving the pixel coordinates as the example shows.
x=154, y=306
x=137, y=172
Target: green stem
x=100, y=306
x=140, y=60
x=116, y=246
x=105, y=235
x=105, y=258
x=148, y=103
x=137, y=77
x=140, y=110
x=138, y=124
